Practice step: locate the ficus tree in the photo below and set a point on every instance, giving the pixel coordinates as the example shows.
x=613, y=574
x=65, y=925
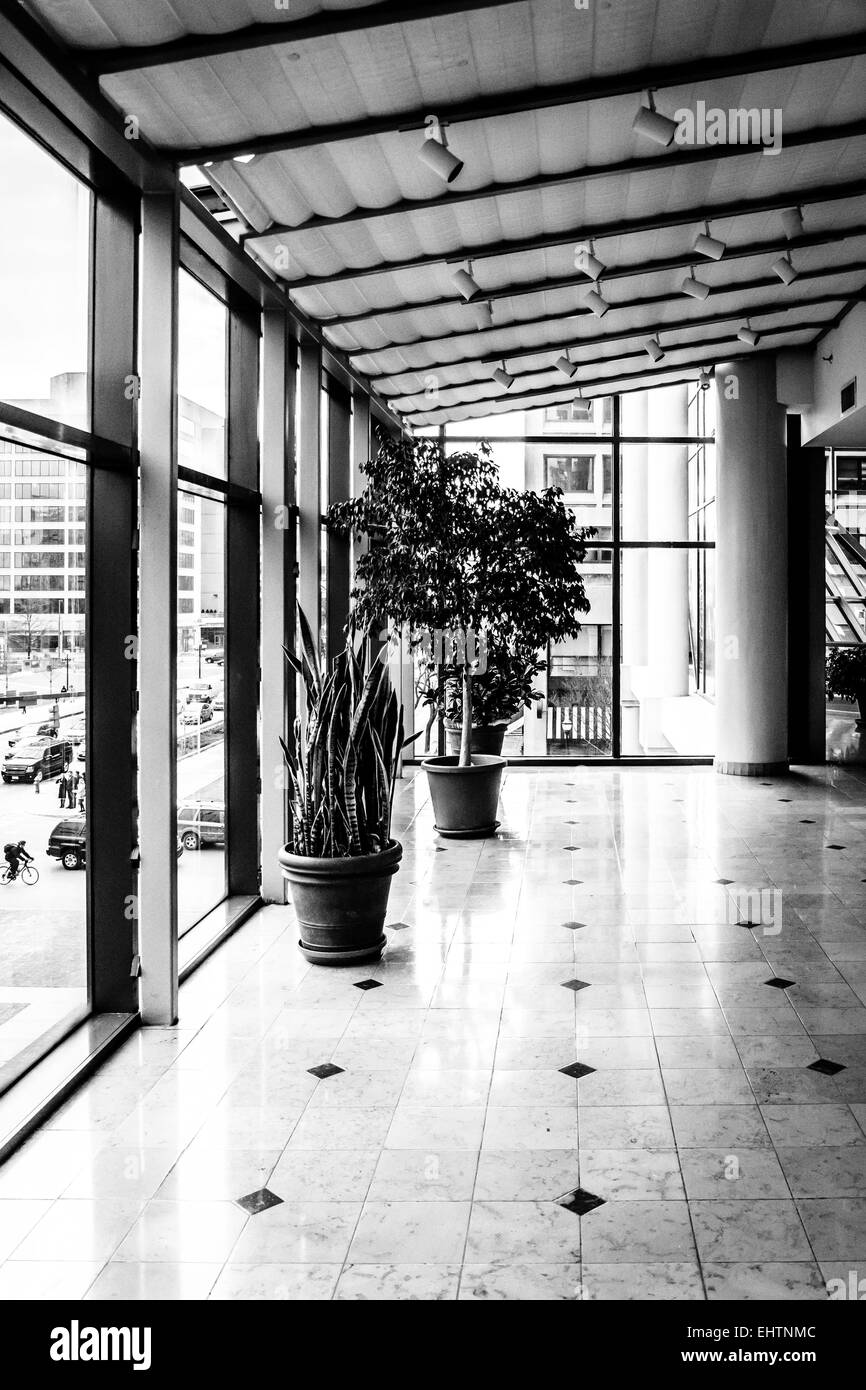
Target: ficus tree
x=451, y=551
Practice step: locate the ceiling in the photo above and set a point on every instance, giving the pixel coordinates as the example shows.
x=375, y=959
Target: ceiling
x=539, y=97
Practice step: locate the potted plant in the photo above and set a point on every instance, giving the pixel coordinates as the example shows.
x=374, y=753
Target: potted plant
x=342, y=763
x=499, y=695
x=462, y=562
x=846, y=676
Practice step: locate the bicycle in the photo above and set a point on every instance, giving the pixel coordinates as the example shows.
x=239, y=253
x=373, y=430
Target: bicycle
x=28, y=874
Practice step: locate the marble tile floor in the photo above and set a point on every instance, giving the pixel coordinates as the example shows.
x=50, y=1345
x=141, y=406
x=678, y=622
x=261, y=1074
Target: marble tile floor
x=617, y=1051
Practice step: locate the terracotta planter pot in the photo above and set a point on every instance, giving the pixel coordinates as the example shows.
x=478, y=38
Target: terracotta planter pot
x=487, y=738
x=465, y=799
x=341, y=903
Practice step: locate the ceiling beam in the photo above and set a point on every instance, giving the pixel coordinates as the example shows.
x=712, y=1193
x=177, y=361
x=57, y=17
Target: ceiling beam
x=608, y=383
x=651, y=222
x=533, y=372
x=578, y=279
x=699, y=70
x=486, y=353
x=622, y=168
x=326, y=24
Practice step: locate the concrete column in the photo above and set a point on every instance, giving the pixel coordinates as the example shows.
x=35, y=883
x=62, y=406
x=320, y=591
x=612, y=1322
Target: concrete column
x=309, y=481
x=807, y=563
x=751, y=571
x=277, y=593
x=157, y=652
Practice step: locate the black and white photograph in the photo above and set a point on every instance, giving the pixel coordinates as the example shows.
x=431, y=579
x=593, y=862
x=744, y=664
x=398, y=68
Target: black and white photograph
x=432, y=668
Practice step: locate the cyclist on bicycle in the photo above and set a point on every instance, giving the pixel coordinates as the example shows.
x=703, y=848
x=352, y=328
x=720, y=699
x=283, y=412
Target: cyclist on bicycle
x=15, y=855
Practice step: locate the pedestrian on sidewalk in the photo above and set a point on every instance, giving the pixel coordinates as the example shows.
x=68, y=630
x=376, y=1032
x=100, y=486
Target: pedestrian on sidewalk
x=62, y=789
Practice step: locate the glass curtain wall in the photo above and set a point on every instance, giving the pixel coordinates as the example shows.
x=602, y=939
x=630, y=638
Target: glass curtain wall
x=203, y=321
x=638, y=680
x=845, y=580
x=45, y=284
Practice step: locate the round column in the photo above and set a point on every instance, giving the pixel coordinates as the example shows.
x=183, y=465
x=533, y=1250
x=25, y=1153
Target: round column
x=751, y=571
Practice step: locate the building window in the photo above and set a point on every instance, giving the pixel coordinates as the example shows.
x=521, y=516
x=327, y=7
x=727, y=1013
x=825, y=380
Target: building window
x=571, y=472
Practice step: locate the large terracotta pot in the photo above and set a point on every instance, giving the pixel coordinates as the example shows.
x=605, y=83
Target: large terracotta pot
x=341, y=903
x=465, y=799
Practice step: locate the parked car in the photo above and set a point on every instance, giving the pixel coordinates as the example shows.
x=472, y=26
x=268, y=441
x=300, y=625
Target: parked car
x=215, y=656
x=75, y=731
x=44, y=731
x=197, y=714
x=200, y=825
x=219, y=704
x=198, y=692
x=82, y=752
x=48, y=758
x=68, y=843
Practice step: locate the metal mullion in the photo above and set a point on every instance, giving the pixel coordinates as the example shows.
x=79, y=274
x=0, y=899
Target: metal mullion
x=616, y=598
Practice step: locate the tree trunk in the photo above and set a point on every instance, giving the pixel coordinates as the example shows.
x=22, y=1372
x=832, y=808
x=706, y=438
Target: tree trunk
x=465, y=759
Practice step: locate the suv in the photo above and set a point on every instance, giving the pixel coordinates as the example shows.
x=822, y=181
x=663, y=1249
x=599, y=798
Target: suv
x=202, y=825
x=68, y=843
x=48, y=758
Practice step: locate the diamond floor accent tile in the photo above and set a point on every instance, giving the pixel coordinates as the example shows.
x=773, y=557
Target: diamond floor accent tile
x=573, y=926
x=325, y=1070
x=807, y=822
x=368, y=984
x=398, y=926
x=836, y=846
x=826, y=1068
x=573, y=882
x=576, y=1070
x=571, y=848
x=785, y=798
x=724, y=880
x=777, y=982
x=575, y=984
x=580, y=1201
x=262, y=1200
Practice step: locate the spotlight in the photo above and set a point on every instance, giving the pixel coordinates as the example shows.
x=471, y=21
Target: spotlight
x=503, y=377
x=483, y=315
x=704, y=379
x=585, y=260
x=784, y=269
x=651, y=123
x=594, y=301
x=748, y=335
x=466, y=285
x=709, y=246
x=568, y=368
x=792, y=221
x=437, y=156
x=696, y=288
x=243, y=158
x=654, y=348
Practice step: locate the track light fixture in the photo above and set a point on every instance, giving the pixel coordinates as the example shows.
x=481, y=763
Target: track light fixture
x=705, y=376
x=588, y=262
x=566, y=366
x=436, y=155
x=465, y=284
x=654, y=348
x=784, y=269
x=792, y=221
x=709, y=246
x=594, y=301
x=503, y=377
x=696, y=288
x=748, y=335
x=483, y=315
x=653, y=124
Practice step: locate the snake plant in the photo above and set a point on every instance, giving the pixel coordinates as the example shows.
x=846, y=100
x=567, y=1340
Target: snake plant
x=342, y=758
